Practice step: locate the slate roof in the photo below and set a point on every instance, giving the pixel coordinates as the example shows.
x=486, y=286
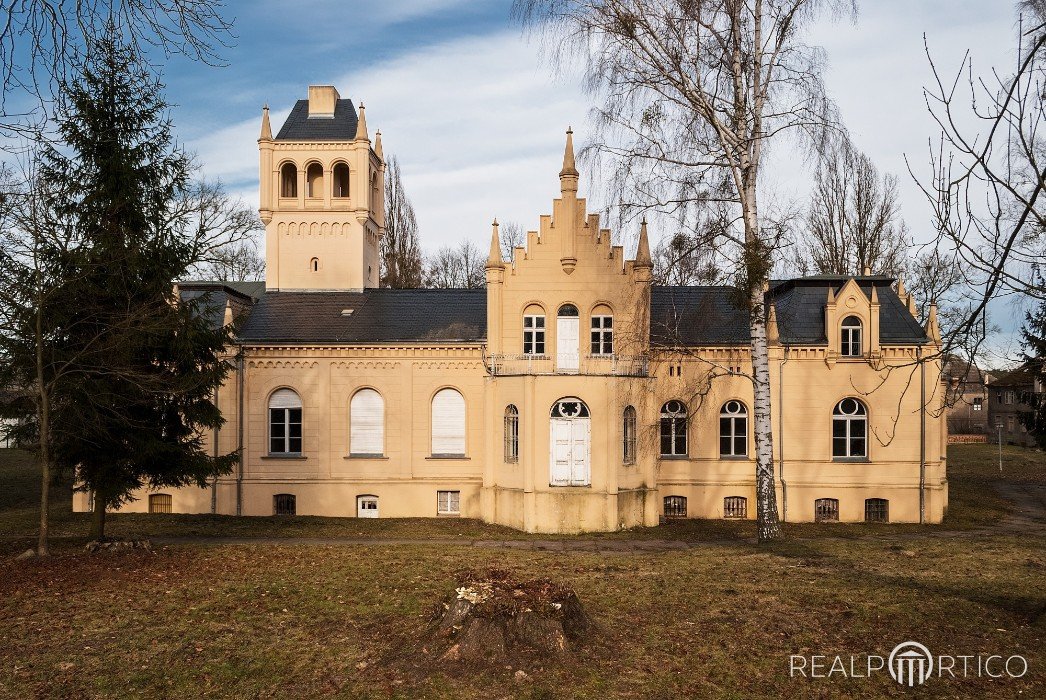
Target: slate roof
x=377, y=316
x=299, y=127
x=688, y=315
x=212, y=297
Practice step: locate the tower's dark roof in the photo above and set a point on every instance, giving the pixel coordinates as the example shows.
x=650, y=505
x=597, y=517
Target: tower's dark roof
x=298, y=127
x=377, y=316
x=679, y=315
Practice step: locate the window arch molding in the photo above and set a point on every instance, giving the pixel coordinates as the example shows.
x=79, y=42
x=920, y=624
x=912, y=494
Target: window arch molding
x=733, y=428
x=448, y=422
x=567, y=310
x=852, y=336
x=849, y=436
x=367, y=423
x=674, y=422
x=285, y=411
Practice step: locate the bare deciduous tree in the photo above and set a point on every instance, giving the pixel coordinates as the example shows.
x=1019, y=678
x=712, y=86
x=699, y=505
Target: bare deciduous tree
x=512, y=236
x=224, y=232
x=854, y=220
x=401, y=266
x=456, y=267
x=691, y=94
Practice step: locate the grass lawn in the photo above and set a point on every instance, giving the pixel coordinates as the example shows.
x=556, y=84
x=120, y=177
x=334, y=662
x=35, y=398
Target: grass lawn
x=720, y=620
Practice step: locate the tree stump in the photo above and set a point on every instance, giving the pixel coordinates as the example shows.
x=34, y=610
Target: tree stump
x=492, y=617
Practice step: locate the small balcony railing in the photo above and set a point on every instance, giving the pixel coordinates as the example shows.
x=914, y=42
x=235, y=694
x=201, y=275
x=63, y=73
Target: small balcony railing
x=603, y=365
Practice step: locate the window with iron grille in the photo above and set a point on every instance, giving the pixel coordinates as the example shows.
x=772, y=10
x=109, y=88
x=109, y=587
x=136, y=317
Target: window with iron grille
x=850, y=345
x=628, y=433
x=733, y=430
x=849, y=429
x=602, y=335
x=673, y=429
x=735, y=507
x=876, y=510
x=533, y=335
x=675, y=506
x=284, y=422
x=160, y=503
x=448, y=502
x=826, y=510
x=511, y=434
x=284, y=504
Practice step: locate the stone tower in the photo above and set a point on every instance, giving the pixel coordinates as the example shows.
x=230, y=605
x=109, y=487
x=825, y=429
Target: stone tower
x=322, y=187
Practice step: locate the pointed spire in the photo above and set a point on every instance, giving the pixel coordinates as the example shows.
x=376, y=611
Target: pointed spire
x=831, y=294
x=643, y=249
x=911, y=305
x=900, y=287
x=773, y=335
x=494, y=258
x=266, y=130
x=875, y=295
x=377, y=144
x=568, y=175
x=361, y=124
x=228, y=313
x=933, y=331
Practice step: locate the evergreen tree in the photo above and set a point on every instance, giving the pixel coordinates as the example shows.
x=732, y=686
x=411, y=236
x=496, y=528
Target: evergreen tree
x=1034, y=333
x=133, y=417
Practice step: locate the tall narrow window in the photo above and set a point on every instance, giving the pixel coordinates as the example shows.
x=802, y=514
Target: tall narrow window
x=366, y=424
x=826, y=510
x=849, y=429
x=733, y=430
x=314, y=265
x=602, y=340
x=533, y=331
x=628, y=436
x=876, y=510
x=375, y=202
x=288, y=180
x=160, y=503
x=340, y=186
x=284, y=422
x=448, y=424
x=511, y=434
x=850, y=345
x=314, y=181
x=673, y=429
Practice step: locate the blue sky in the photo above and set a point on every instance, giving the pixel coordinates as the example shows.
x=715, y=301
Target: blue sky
x=476, y=117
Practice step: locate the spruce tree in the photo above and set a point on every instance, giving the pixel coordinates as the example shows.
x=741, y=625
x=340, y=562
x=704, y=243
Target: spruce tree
x=134, y=417
x=1034, y=332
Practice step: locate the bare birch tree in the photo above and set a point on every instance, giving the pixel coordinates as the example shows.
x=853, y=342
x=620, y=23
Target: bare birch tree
x=401, y=265
x=854, y=220
x=691, y=93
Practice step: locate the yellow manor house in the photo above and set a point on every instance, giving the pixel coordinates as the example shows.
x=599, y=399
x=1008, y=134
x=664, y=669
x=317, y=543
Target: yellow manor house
x=570, y=395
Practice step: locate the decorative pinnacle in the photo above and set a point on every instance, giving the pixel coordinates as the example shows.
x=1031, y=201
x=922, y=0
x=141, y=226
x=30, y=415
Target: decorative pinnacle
x=361, y=124
x=494, y=258
x=569, y=167
x=643, y=258
x=266, y=130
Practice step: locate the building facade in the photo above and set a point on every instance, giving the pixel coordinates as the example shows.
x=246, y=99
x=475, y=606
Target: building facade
x=1009, y=396
x=967, y=398
x=569, y=395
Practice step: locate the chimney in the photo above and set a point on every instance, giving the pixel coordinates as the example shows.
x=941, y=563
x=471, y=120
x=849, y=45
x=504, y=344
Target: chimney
x=322, y=99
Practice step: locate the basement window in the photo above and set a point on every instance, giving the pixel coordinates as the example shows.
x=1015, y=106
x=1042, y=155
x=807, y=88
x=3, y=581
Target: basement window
x=675, y=506
x=826, y=510
x=735, y=507
x=448, y=502
x=160, y=503
x=284, y=504
x=876, y=510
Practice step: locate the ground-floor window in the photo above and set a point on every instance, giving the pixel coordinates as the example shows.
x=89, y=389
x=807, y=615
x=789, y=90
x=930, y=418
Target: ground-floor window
x=826, y=510
x=159, y=503
x=675, y=506
x=284, y=504
x=876, y=510
x=448, y=502
x=735, y=507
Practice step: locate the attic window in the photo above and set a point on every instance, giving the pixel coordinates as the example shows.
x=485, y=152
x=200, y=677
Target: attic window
x=346, y=312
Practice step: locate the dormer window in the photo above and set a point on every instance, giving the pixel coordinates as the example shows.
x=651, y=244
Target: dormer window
x=850, y=341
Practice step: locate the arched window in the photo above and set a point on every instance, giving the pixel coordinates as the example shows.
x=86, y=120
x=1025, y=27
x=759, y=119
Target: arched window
x=314, y=265
x=375, y=203
x=673, y=429
x=567, y=311
x=314, y=180
x=511, y=434
x=568, y=339
x=850, y=341
x=284, y=422
x=448, y=424
x=366, y=424
x=602, y=331
x=628, y=436
x=826, y=510
x=533, y=330
x=340, y=186
x=849, y=429
x=876, y=510
x=733, y=430
x=289, y=180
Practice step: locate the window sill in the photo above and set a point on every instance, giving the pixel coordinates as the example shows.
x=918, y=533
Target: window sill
x=448, y=515
x=851, y=459
x=448, y=457
x=288, y=455
x=375, y=456
x=674, y=458
x=735, y=458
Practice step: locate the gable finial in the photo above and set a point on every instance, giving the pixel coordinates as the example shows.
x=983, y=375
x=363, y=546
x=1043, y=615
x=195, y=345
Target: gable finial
x=643, y=258
x=933, y=330
x=773, y=334
x=568, y=175
x=361, y=124
x=266, y=130
x=494, y=257
x=377, y=145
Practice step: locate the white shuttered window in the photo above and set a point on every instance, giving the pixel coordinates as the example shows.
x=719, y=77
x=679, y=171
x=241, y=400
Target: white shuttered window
x=367, y=423
x=448, y=423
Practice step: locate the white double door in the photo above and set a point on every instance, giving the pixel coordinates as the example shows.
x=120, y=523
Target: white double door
x=570, y=459
x=568, y=343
